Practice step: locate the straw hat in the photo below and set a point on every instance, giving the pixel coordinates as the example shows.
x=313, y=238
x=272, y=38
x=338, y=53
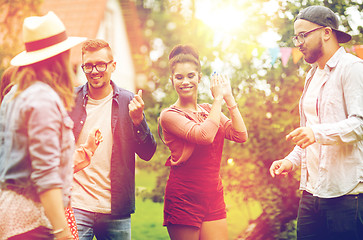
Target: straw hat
x=44, y=37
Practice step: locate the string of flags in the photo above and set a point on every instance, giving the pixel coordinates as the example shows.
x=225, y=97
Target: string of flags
x=286, y=52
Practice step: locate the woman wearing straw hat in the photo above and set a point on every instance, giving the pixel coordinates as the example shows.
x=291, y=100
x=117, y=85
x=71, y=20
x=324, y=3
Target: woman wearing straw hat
x=36, y=140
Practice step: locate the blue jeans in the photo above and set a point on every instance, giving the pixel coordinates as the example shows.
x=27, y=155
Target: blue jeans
x=103, y=226
x=330, y=218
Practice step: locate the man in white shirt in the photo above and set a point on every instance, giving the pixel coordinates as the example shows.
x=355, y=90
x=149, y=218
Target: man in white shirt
x=103, y=196
x=329, y=141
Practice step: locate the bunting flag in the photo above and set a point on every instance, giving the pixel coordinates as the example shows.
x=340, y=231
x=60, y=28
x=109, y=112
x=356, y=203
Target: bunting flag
x=296, y=55
x=359, y=50
x=274, y=52
x=254, y=50
x=350, y=49
x=285, y=55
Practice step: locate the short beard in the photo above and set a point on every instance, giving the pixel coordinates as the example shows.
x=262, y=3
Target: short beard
x=315, y=54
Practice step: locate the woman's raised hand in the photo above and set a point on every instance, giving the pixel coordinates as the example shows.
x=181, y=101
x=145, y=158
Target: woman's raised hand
x=216, y=86
x=221, y=86
x=226, y=85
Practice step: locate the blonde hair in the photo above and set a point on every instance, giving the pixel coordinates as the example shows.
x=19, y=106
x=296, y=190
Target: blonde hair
x=6, y=83
x=55, y=71
x=93, y=45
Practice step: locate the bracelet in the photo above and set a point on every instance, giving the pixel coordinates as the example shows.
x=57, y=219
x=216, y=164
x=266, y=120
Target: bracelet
x=233, y=107
x=59, y=230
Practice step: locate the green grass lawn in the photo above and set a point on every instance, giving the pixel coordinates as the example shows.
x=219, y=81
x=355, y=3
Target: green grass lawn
x=238, y=215
x=147, y=221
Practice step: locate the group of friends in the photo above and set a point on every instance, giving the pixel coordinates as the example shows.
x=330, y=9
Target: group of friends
x=67, y=155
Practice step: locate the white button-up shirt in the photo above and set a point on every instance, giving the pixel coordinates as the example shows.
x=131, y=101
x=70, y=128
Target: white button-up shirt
x=340, y=129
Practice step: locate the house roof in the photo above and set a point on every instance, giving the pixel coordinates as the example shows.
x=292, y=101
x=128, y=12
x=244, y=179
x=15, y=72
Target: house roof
x=82, y=18
x=133, y=28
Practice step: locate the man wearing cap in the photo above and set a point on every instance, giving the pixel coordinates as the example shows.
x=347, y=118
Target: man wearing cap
x=103, y=195
x=329, y=141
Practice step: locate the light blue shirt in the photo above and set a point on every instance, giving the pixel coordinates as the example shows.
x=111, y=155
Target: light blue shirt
x=36, y=141
x=340, y=129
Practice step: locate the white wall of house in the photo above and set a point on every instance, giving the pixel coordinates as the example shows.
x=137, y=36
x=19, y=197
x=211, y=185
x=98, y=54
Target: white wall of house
x=113, y=30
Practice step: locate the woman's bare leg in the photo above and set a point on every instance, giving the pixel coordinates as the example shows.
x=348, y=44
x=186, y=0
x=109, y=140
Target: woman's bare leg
x=183, y=232
x=214, y=230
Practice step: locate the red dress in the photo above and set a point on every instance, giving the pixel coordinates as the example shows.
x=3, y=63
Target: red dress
x=194, y=190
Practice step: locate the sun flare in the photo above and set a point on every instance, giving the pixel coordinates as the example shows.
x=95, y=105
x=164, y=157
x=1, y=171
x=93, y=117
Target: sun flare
x=222, y=18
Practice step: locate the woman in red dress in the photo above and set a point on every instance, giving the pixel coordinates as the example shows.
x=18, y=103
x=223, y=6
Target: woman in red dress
x=194, y=206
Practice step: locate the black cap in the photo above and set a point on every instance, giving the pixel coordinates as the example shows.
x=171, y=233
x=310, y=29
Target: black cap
x=323, y=16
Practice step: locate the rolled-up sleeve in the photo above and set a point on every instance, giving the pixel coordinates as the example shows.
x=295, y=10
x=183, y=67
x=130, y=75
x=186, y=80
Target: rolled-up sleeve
x=44, y=132
x=295, y=157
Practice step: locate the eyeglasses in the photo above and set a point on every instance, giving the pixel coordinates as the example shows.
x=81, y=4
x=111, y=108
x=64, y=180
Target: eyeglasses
x=100, y=67
x=300, y=38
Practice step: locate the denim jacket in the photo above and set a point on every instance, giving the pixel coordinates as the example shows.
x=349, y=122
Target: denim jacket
x=127, y=140
x=36, y=141
x=340, y=129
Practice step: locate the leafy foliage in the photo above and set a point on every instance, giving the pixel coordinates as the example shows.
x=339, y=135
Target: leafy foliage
x=12, y=14
x=267, y=95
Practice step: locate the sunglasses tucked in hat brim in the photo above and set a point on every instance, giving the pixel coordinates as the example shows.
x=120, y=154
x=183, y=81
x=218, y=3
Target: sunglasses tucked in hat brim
x=44, y=37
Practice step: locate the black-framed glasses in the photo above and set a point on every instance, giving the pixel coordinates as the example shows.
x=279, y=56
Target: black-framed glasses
x=300, y=38
x=100, y=67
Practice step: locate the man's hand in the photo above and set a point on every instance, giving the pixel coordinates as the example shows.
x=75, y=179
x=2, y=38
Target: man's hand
x=282, y=167
x=136, y=108
x=302, y=136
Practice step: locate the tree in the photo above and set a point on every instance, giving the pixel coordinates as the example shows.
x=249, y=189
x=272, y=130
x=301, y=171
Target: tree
x=12, y=15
